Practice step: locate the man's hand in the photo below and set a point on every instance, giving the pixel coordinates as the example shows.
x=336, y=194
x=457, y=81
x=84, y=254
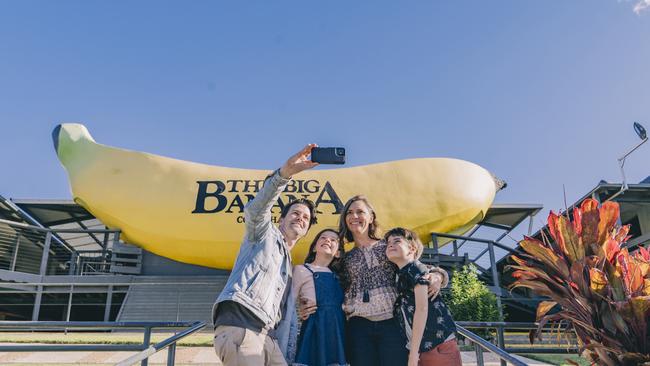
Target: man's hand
x=306, y=308
x=435, y=280
x=298, y=162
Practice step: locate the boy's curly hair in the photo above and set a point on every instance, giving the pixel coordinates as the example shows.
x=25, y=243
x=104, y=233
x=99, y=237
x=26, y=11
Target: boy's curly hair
x=410, y=236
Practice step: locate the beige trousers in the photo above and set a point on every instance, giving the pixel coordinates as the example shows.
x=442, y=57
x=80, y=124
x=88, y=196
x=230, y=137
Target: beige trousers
x=237, y=346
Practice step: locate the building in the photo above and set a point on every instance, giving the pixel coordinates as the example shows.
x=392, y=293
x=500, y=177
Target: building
x=58, y=262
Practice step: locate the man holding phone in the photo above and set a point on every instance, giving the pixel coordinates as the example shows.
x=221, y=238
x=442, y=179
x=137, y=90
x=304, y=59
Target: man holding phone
x=249, y=314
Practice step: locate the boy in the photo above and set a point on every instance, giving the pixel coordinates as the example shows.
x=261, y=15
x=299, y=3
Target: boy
x=428, y=324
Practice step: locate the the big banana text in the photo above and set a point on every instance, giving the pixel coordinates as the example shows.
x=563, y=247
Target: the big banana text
x=192, y=212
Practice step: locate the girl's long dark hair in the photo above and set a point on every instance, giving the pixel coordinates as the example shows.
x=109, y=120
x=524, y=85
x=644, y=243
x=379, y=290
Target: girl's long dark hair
x=337, y=263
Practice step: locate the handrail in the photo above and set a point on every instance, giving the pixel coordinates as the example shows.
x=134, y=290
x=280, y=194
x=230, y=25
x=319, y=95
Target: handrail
x=144, y=349
x=169, y=342
x=568, y=348
x=503, y=355
x=496, y=289
x=510, y=325
x=96, y=325
x=59, y=284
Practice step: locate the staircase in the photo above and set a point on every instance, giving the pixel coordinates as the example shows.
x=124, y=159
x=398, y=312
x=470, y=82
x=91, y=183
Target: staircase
x=171, y=298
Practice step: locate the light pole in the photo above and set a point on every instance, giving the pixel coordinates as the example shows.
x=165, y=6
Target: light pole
x=640, y=131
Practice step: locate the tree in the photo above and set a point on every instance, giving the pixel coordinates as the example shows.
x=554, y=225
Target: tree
x=470, y=299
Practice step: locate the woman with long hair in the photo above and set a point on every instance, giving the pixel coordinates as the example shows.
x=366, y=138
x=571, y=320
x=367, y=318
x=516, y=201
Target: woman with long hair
x=373, y=335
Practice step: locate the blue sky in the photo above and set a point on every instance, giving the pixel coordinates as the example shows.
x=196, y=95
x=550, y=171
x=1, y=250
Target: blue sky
x=542, y=93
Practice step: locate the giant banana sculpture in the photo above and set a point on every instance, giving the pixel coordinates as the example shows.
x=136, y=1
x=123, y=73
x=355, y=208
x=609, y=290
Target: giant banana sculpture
x=193, y=213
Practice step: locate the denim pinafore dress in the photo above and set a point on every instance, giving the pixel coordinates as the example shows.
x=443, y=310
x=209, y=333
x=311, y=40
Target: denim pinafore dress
x=321, y=341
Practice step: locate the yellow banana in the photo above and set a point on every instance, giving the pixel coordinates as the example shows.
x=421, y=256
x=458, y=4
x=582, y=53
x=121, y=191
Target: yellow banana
x=193, y=213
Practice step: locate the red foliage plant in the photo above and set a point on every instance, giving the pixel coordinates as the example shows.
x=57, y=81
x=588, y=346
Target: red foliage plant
x=602, y=290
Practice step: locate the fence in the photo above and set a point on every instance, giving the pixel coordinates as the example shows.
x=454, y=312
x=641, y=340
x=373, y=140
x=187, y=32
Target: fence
x=145, y=349
x=36, y=250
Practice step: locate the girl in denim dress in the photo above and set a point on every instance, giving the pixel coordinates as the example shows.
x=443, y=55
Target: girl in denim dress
x=321, y=340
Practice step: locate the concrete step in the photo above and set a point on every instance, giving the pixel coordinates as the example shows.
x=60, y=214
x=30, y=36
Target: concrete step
x=171, y=298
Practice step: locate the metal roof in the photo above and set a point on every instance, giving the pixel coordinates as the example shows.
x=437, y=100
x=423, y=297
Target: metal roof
x=635, y=193
x=9, y=211
x=65, y=214
x=507, y=216
x=52, y=213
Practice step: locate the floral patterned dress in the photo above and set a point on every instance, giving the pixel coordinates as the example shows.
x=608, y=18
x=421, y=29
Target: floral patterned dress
x=368, y=280
x=440, y=325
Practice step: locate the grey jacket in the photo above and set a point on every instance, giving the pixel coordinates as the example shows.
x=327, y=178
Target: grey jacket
x=262, y=270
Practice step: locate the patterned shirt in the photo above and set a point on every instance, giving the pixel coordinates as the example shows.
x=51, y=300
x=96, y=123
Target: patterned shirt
x=368, y=278
x=440, y=325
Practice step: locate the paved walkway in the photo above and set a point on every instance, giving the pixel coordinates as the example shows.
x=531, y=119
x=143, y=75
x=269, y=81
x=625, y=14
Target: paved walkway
x=194, y=356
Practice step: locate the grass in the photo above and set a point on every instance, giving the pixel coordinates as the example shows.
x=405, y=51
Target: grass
x=557, y=359
x=194, y=340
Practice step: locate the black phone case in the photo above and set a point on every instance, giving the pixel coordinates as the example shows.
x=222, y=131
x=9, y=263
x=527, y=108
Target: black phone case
x=328, y=155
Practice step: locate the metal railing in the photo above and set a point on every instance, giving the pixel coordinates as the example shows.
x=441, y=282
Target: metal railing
x=481, y=344
x=505, y=353
x=42, y=251
x=570, y=346
x=432, y=255
x=145, y=349
x=21, y=247
x=169, y=342
x=68, y=302
x=490, y=245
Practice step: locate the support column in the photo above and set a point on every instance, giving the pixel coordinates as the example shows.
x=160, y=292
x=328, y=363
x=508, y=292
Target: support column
x=73, y=263
x=37, y=302
x=146, y=343
x=42, y=272
x=15, y=254
x=105, y=263
x=436, y=254
x=67, y=316
x=109, y=303
x=46, y=253
x=530, y=224
x=498, y=292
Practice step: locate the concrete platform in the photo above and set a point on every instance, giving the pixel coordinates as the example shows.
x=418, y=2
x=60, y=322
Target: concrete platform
x=184, y=356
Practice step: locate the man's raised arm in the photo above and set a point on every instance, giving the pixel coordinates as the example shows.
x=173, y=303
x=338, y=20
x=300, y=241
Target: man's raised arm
x=257, y=212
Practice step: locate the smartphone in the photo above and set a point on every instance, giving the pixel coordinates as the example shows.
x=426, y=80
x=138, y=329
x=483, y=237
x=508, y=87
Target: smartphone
x=328, y=155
